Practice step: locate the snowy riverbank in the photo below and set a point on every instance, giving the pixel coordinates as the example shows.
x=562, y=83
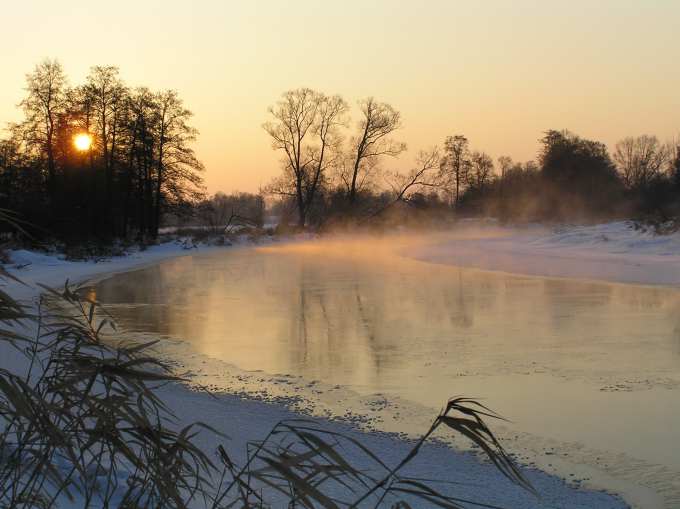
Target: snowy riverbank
x=612, y=252
x=244, y=420
x=53, y=270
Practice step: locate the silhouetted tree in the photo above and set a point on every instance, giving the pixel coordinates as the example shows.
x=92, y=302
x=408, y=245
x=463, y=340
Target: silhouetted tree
x=305, y=128
x=641, y=159
x=675, y=167
x=228, y=210
x=481, y=169
x=455, y=166
x=372, y=141
x=44, y=103
x=139, y=165
x=104, y=98
x=504, y=164
x=176, y=163
x=422, y=176
x=580, y=171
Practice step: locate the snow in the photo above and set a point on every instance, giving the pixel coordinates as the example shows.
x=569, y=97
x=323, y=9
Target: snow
x=246, y=420
x=614, y=251
x=590, y=251
x=53, y=269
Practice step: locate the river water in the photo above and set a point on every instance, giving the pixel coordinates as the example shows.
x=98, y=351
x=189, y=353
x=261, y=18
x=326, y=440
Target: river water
x=588, y=372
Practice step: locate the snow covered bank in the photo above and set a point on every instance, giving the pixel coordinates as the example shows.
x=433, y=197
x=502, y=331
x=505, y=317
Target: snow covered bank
x=53, y=270
x=612, y=251
x=34, y=267
x=461, y=474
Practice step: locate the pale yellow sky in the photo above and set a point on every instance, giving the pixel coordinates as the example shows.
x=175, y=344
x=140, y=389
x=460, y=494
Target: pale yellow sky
x=501, y=72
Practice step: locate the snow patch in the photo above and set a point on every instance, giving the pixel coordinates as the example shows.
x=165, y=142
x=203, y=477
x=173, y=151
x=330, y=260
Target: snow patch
x=614, y=251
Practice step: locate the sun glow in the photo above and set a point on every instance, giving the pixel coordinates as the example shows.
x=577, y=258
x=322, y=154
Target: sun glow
x=82, y=142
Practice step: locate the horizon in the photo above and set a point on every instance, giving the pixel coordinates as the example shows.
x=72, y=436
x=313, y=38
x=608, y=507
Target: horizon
x=510, y=75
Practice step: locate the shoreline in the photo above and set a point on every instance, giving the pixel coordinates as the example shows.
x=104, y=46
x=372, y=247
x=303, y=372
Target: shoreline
x=470, y=476
x=614, y=253
x=51, y=270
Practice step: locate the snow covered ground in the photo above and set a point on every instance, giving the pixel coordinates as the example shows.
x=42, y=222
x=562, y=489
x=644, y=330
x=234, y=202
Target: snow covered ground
x=34, y=267
x=612, y=251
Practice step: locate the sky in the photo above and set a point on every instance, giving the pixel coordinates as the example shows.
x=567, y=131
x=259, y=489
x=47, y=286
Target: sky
x=500, y=72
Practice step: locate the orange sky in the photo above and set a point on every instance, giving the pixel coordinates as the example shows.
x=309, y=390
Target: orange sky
x=501, y=72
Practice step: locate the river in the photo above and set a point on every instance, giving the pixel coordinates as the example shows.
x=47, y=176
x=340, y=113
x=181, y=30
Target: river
x=587, y=372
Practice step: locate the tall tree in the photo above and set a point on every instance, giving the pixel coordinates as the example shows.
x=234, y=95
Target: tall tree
x=481, y=169
x=675, y=166
x=46, y=93
x=141, y=146
x=455, y=165
x=140, y=164
x=372, y=141
x=305, y=129
x=422, y=176
x=504, y=164
x=579, y=169
x=105, y=95
x=641, y=159
x=176, y=164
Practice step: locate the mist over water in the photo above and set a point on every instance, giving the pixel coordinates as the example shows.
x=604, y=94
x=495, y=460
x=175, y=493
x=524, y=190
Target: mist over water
x=354, y=324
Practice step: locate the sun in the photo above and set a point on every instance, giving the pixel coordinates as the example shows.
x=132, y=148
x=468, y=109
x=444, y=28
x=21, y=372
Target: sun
x=82, y=141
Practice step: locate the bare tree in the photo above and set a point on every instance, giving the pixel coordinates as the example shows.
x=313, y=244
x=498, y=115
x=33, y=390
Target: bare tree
x=106, y=93
x=224, y=212
x=104, y=96
x=46, y=87
x=327, y=150
x=378, y=122
x=141, y=151
x=455, y=165
x=305, y=128
x=675, y=165
x=504, y=164
x=425, y=174
x=481, y=169
x=641, y=159
x=140, y=146
x=177, y=166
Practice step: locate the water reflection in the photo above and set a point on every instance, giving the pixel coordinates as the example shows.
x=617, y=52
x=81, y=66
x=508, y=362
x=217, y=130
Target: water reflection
x=350, y=320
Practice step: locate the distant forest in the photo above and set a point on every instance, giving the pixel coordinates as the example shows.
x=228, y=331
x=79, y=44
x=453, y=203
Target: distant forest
x=102, y=160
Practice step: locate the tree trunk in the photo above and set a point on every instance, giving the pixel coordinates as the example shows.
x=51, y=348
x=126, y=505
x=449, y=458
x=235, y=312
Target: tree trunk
x=128, y=185
x=159, y=199
x=51, y=178
x=159, y=183
x=357, y=163
x=302, y=210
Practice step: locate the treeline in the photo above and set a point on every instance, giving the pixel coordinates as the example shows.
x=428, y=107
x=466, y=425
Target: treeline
x=105, y=160
x=577, y=179
x=335, y=170
x=100, y=159
x=221, y=211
